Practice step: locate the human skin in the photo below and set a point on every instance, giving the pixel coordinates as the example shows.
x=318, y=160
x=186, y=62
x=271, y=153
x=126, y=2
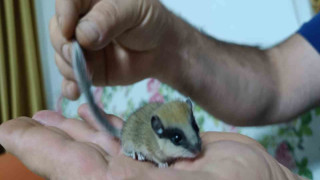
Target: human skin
x=127, y=41
x=58, y=148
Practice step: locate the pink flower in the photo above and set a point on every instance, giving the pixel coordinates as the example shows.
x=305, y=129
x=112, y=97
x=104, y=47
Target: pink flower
x=284, y=155
x=153, y=86
x=156, y=98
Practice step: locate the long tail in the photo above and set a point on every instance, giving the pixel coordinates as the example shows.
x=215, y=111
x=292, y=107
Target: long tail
x=84, y=82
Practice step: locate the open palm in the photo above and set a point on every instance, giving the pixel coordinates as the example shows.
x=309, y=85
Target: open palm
x=59, y=148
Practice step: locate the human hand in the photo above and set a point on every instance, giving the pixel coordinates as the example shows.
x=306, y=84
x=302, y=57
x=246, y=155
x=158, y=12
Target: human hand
x=58, y=148
x=125, y=41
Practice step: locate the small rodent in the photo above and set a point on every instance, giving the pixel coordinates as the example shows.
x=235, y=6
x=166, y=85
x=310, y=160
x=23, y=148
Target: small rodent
x=156, y=132
x=161, y=133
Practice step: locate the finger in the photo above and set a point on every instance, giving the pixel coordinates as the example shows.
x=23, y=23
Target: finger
x=172, y=174
x=79, y=130
x=48, y=118
x=59, y=42
x=64, y=68
x=106, y=20
x=211, y=140
x=210, y=137
x=70, y=89
x=85, y=113
x=45, y=150
x=68, y=13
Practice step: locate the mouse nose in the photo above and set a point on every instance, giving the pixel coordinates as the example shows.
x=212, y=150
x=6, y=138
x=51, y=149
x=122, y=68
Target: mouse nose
x=196, y=149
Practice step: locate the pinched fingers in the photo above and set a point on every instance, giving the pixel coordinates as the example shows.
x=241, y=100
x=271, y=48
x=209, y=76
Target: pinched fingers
x=68, y=13
x=80, y=131
x=100, y=20
x=106, y=20
x=60, y=43
x=63, y=60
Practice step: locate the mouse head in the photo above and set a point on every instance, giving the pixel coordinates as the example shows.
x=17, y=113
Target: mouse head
x=176, y=130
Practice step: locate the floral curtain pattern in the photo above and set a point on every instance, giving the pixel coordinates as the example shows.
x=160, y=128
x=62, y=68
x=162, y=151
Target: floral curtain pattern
x=296, y=144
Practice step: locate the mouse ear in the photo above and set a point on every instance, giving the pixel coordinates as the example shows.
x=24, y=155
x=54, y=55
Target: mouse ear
x=188, y=101
x=157, y=126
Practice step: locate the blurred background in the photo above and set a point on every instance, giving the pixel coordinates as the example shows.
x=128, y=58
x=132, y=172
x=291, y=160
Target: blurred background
x=28, y=72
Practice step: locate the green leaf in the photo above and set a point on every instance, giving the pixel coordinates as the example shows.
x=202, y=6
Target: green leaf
x=197, y=108
x=299, y=133
x=216, y=122
x=142, y=103
x=306, y=173
x=307, y=131
x=290, y=147
x=266, y=141
x=200, y=122
x=304, y=162
x=282, y=131
x=306, y=118
x=317, y=111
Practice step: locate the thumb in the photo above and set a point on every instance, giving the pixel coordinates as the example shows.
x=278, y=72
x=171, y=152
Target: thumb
x=106, y=20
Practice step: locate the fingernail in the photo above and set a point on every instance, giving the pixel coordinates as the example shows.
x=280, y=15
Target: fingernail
x=66, y=52
x=89, y=30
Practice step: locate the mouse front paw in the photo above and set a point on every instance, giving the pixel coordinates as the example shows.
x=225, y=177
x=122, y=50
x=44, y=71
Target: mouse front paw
x=162, y=165
x=141, y=157
x=130, y=154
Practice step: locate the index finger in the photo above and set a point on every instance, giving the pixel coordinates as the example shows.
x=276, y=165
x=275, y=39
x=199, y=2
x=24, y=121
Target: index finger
x=68, y=13
x=210, y=137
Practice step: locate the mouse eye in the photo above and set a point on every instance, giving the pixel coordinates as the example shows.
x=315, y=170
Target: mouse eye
x=176, y=139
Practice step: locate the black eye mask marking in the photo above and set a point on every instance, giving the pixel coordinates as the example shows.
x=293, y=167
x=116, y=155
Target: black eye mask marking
x=194, y=123
x=175, y=135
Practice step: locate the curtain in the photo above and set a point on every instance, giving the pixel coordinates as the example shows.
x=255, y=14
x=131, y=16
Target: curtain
x=21, y=85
